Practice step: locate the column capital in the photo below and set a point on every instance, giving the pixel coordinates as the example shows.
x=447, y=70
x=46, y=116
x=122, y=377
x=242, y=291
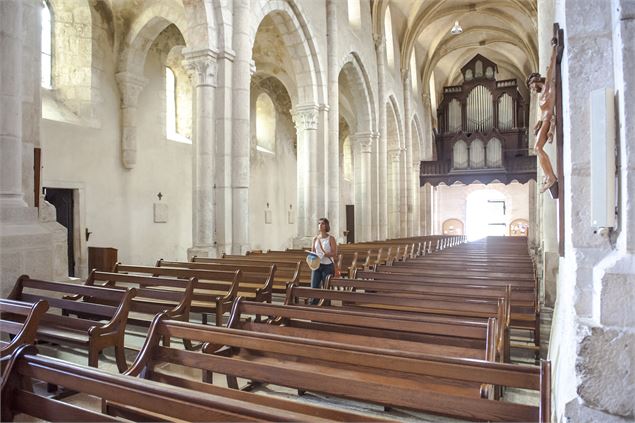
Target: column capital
x=416, y=166
x=394, y=155
x=364, y=140
x=305, y=116
x=130, y=86
x=201, y=66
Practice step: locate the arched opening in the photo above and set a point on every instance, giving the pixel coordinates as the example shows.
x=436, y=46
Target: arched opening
x=47, y=46
x=354, y=13
x=265, y=124
x=390, y=42
x=452, y=227
x=486, y=214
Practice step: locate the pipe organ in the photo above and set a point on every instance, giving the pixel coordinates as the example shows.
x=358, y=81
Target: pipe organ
x=482, y=134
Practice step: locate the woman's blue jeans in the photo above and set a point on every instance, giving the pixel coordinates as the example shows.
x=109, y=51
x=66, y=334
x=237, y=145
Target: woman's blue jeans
x=319, y=275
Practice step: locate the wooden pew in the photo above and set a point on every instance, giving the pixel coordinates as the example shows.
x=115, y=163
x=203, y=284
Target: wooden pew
x=289, y=269
x=91, y=334
x=431, y=384
x=386, y=304
x=213, y=293
x=126, y=398
x=19, y=320
x=433, y=335
x=256, y=279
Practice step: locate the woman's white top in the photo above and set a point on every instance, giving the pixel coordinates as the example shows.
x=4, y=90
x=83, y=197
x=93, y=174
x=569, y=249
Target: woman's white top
x=326, y=247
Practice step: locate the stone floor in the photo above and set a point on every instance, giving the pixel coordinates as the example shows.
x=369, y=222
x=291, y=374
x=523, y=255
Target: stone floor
x=136, y=339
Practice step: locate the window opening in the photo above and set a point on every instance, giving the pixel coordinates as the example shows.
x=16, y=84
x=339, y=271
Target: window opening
x=388, y=36
x=486, y=214
x=46, y=46
x=265, y=124
x=347, y=158
x=354, y=13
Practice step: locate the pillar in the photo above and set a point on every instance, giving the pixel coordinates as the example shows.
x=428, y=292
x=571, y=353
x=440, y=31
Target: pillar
x=363, y=142
x=415, y=203
x=382, y=150
x=201, y=65
x=240, y=121
x=409, y=204
x=394, y=157
x=305, y=118
x=334, y=208
x=130, y=86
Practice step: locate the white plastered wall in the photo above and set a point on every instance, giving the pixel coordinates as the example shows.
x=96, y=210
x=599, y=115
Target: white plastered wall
x=118, y=204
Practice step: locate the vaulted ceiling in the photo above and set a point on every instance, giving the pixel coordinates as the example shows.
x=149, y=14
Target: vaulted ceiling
x=505, y=31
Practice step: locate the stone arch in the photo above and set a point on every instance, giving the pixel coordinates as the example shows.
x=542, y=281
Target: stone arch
x=142, y=34
x=394, y=106
x=204, y=20
x=353, y=69
x=295, y=31
x=418, y=148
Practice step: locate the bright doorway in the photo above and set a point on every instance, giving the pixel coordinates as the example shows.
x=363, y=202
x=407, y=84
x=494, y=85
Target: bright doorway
x=486, y=214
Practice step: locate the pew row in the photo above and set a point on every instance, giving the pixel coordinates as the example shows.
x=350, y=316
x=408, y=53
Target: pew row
x=409, y=380
x=90, y=334
x=19, y=321
x=126, y=398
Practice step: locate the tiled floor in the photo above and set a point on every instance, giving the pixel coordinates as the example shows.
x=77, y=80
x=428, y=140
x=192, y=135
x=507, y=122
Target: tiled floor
x=137, y=338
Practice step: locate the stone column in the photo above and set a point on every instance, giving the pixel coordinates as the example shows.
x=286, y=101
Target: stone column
x=27, y=246
x=382, y=203
x=415, y=203
x=130, y=86
x=305, y=118
x=363, y=142
x=426, y=209
x=11, y=114
x=334, y=209
x=409, y=204
x=201, y=65
x=241, y=134
x=394, y=223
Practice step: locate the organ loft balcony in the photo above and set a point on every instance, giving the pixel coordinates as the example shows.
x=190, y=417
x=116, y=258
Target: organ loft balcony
x=482, y=130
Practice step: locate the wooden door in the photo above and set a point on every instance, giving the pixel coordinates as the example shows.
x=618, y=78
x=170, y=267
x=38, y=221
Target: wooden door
x=350, y=223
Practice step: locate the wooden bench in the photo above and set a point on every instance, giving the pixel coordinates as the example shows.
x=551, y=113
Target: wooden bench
x=256, y=279
x=91, y=334
x=125, y=398
x=289, y=269
x=213, y=293
x=449, y=337
x=19, y=321
x=431, y=384
x=386, y=304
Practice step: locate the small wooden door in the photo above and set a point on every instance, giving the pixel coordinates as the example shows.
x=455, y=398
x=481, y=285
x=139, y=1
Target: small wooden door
x=62, y=199
x=350, y=223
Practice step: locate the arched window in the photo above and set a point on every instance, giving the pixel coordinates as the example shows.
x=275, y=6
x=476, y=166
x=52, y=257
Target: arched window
x=477, y=154
x=390, y=44
x=170, y=103
x=47, y=46
x=459, y=155
x=354, y=13
x=347, y=159
x=265, y=124
x=413, y=72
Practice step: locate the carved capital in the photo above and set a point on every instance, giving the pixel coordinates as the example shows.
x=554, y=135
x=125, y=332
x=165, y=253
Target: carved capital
x=394, y=155
x=201, y=66
x=130, y=86
x=416, y=167
x=305, y=117
x=364, y=140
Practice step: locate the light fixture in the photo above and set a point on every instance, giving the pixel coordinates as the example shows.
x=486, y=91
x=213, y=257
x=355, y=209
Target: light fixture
x=456, y=29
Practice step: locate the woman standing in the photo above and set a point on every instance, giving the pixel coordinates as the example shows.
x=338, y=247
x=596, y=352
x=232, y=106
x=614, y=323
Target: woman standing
x=325, y=247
